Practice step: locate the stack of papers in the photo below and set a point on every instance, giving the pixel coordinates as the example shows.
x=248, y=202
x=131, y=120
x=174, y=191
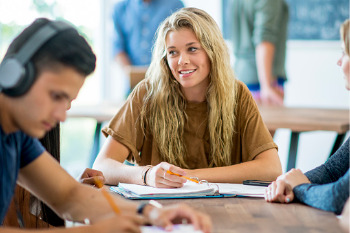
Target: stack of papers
x=189, y=190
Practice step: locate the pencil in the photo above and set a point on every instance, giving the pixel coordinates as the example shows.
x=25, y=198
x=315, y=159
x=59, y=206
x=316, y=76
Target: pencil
x=188, y=178
x=107, y=195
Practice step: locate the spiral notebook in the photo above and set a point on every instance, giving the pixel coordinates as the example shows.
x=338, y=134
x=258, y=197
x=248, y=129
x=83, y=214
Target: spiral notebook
x=189, y=190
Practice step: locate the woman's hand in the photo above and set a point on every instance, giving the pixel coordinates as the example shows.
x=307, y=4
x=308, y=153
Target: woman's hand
x=89, y=175
x=157, y=176
x=281, y=190
x=166, y=216
x=271, y=96
x=294, y=178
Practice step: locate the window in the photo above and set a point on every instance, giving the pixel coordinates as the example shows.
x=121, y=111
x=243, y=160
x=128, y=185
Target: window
x=85, y=15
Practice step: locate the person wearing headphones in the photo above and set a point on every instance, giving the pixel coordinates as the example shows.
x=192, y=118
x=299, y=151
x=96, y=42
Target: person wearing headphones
x=41, y=73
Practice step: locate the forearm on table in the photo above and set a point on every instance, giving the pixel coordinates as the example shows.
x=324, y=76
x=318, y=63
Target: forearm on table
x=329, y=197
x=115, y=171
x=88, y=202
x=267, y=168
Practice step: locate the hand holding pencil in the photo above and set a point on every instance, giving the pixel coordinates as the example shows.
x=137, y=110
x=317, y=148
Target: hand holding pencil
x=158, y=176
x=187, y=178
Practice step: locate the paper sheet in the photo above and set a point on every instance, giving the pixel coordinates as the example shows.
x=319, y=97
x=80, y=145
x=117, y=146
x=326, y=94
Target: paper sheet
x=180, y=228
x=241, y=189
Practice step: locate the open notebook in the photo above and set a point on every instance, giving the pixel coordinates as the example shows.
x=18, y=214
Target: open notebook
x=189, y=190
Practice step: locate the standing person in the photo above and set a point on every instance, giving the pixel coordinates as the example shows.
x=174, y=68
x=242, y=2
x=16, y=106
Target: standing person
x=259, y=34
x=42, y=72
x=135, y=24
x=327, y=186
x=190, y=115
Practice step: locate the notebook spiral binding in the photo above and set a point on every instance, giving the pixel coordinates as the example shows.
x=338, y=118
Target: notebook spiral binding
x=217, y=192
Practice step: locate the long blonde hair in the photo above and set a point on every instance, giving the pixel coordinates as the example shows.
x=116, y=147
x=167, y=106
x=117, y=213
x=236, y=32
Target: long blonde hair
x=345, y=35
x=164, y=104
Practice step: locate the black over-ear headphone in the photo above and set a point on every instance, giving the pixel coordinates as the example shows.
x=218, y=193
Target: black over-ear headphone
x=17, y=72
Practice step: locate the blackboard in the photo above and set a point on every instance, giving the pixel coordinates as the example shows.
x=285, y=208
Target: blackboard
x=316, y=19
x=308, y=19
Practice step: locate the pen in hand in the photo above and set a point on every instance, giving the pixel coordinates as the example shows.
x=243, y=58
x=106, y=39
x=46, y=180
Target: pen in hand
x=188, y=178
x=107, y=195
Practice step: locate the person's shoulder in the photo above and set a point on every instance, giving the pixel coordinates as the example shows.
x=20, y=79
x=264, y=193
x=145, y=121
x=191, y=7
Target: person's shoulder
x=243, y=95
x=241, y=88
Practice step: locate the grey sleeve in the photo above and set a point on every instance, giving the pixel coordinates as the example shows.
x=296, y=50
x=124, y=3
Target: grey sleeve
x=334, y=168
x=329, y=197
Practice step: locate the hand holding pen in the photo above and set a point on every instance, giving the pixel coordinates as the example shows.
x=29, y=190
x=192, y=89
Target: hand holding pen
x=158, y=176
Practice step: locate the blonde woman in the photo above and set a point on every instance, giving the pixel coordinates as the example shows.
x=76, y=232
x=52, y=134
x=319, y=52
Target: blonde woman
x=190, y=115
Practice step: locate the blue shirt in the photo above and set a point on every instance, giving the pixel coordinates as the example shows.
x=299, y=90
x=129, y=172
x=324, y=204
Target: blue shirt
x=16, y=151
x=329, y=188
x=136, y=23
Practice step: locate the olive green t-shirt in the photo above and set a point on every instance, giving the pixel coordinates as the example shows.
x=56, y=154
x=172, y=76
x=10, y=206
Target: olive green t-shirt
x=253, y=22
x=251, y=136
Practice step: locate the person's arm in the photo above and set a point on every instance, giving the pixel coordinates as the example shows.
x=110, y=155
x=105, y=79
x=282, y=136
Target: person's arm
x=110, y=162
x=71, y=200
x=265, y=35
x=90, y=175
x=281, y=190
x=295, y=185
x=265, y=166
x=123, y=60
x=345, y=217
x=329, y=197
x=264, y=53
x=334, y=168
x=74, y=201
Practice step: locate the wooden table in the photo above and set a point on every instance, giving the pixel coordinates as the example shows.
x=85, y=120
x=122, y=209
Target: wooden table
x=300, y=120
x=248, y=215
